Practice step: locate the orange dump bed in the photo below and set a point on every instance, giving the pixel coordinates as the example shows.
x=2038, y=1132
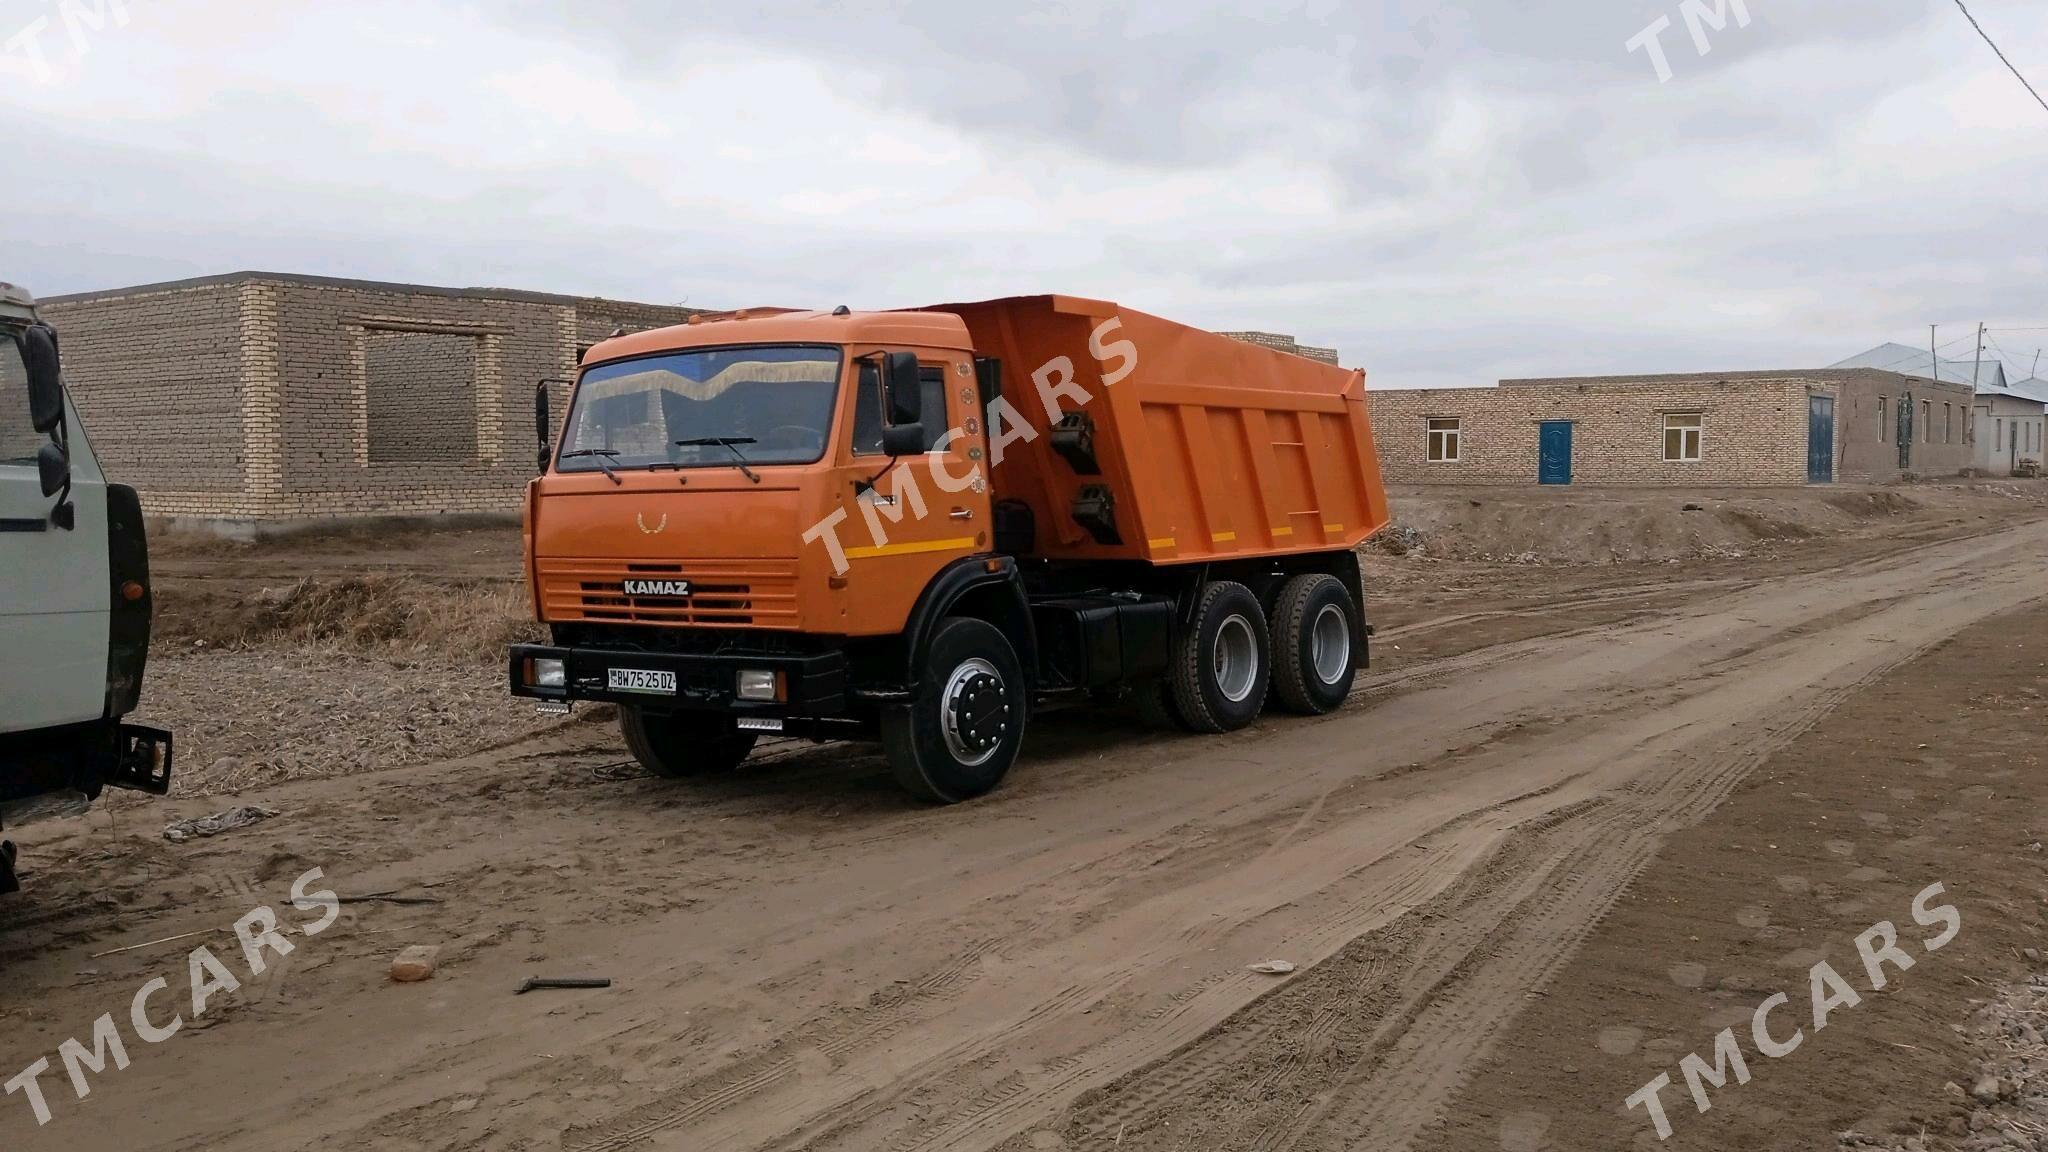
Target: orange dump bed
x=1205, y=447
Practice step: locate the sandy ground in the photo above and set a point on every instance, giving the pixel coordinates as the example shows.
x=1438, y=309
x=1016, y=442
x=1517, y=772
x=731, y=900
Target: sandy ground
x=803, y=960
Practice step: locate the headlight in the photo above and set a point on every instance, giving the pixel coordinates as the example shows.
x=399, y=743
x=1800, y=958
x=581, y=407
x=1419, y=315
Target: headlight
x=550, y=674
x=758, y=684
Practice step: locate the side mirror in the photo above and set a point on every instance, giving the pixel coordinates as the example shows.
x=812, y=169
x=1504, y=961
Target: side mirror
x=903, y=440
x=542, y=422
x=45, y=382
x=904, y=389
x=53, y=467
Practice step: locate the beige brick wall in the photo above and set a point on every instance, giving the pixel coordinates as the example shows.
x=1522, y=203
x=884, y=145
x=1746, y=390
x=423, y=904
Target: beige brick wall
x=1285, y=343
x=154, y=376
x=1754, y=433
x=1753, y=428
x=263, y=397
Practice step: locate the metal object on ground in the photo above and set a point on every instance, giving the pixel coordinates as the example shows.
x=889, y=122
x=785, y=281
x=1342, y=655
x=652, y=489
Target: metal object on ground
x=535, y=983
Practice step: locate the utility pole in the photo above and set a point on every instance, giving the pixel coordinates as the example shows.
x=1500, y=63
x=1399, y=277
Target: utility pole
x=1933, y=357
x=1979, y=365
x=2036, y=373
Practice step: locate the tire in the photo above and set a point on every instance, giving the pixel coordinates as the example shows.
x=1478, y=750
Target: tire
x=1155, y=706
x=958, y=739
x=1222, y=665
x=685, y=743
x=1314, y=658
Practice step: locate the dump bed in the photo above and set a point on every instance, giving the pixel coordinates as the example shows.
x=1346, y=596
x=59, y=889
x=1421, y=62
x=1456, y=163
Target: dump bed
x=1189, y=446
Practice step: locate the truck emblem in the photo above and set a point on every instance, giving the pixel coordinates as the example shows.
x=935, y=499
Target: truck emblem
x=657, y=588
x=641, y=520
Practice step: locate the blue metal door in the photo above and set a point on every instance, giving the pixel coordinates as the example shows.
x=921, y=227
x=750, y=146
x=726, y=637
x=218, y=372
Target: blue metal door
x=1820, y=440
x=1554, y=452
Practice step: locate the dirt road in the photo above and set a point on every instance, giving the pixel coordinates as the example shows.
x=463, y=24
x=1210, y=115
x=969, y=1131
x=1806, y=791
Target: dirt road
x=803, y=962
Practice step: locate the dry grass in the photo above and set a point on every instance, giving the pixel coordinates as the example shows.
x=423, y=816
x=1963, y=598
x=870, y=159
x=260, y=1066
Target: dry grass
x=366, y=614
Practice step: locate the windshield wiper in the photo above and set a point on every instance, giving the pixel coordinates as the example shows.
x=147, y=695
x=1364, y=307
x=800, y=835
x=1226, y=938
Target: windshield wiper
x=730, y=444
x=604, y=461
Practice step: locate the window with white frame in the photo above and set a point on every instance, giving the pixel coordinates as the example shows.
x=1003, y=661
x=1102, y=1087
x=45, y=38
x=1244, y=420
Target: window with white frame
x=1682, y=436
x=1444, y=434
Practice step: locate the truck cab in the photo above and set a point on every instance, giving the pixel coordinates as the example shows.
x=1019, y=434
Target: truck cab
x=74, y=598
x=835, y=524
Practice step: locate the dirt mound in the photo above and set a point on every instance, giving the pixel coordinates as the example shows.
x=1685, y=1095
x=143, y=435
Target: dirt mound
x=1570, y=526
x=1870, y=505
x=1764, y=527
x=368, y=613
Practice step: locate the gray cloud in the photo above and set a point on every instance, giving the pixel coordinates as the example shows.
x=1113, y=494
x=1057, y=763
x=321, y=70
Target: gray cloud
x=1449, y=192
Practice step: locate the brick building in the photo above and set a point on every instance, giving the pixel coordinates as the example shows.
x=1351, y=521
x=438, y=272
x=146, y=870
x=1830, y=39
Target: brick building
x=1761, y=428
x=264, y=398
x=1285, y=344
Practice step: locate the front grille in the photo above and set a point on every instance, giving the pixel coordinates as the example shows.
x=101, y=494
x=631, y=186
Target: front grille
x=723, y=593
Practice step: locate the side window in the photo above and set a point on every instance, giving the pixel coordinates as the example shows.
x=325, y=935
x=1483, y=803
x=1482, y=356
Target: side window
x=932, y=384
x=867, y=411
x=867, y=408
x=19, y=440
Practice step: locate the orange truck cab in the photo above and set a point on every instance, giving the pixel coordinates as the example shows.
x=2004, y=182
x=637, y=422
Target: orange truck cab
x=919, y=526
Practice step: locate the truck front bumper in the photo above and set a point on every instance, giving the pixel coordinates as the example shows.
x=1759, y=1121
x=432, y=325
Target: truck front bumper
x=808, y=685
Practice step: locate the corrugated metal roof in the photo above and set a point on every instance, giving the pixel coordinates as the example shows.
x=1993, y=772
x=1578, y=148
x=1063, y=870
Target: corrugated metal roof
x=1988, y=377
x=2031, y=389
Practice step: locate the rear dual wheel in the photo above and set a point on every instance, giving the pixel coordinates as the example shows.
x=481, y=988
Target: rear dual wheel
x=1221, y=666
x=1314, y=661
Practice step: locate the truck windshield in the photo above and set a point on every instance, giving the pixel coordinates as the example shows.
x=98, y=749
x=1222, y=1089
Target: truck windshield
x=708, y=407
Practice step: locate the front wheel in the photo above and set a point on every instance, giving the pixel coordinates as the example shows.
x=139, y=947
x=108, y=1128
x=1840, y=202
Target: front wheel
x=958, y=738
x=684, y=743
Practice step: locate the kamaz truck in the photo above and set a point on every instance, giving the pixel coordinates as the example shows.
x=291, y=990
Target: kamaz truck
x=920, y=526
x=74, y=599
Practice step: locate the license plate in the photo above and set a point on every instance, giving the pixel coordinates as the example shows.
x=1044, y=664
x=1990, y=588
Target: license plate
x=641, y=680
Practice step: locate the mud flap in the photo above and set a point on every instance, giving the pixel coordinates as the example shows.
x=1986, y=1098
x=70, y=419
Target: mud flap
x=143, y=762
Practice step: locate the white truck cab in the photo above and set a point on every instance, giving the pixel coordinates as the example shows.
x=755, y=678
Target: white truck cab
x=75, y=599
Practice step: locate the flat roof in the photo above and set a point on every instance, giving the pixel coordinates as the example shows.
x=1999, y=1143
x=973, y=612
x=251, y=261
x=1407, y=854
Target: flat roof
x=245, y=277
x=1816, y=374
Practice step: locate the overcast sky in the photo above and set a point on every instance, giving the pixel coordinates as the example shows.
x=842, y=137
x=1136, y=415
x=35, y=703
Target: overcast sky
x=1449, y=193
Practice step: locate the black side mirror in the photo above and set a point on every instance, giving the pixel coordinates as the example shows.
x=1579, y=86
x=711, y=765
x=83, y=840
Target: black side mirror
x=906, y=395
x=53, y=467
x=903, y=440
x=542, y=422
x=45, y=382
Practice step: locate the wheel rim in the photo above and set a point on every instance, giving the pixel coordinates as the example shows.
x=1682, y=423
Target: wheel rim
x=1236, y=659
x=1329, y=642
x=974, y=712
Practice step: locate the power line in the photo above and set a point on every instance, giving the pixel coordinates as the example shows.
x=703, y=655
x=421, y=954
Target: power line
x=2001, y=54
x=1916, y=353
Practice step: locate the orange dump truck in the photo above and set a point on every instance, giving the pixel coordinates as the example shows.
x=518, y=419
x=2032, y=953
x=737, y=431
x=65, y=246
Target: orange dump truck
x=919, y=526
